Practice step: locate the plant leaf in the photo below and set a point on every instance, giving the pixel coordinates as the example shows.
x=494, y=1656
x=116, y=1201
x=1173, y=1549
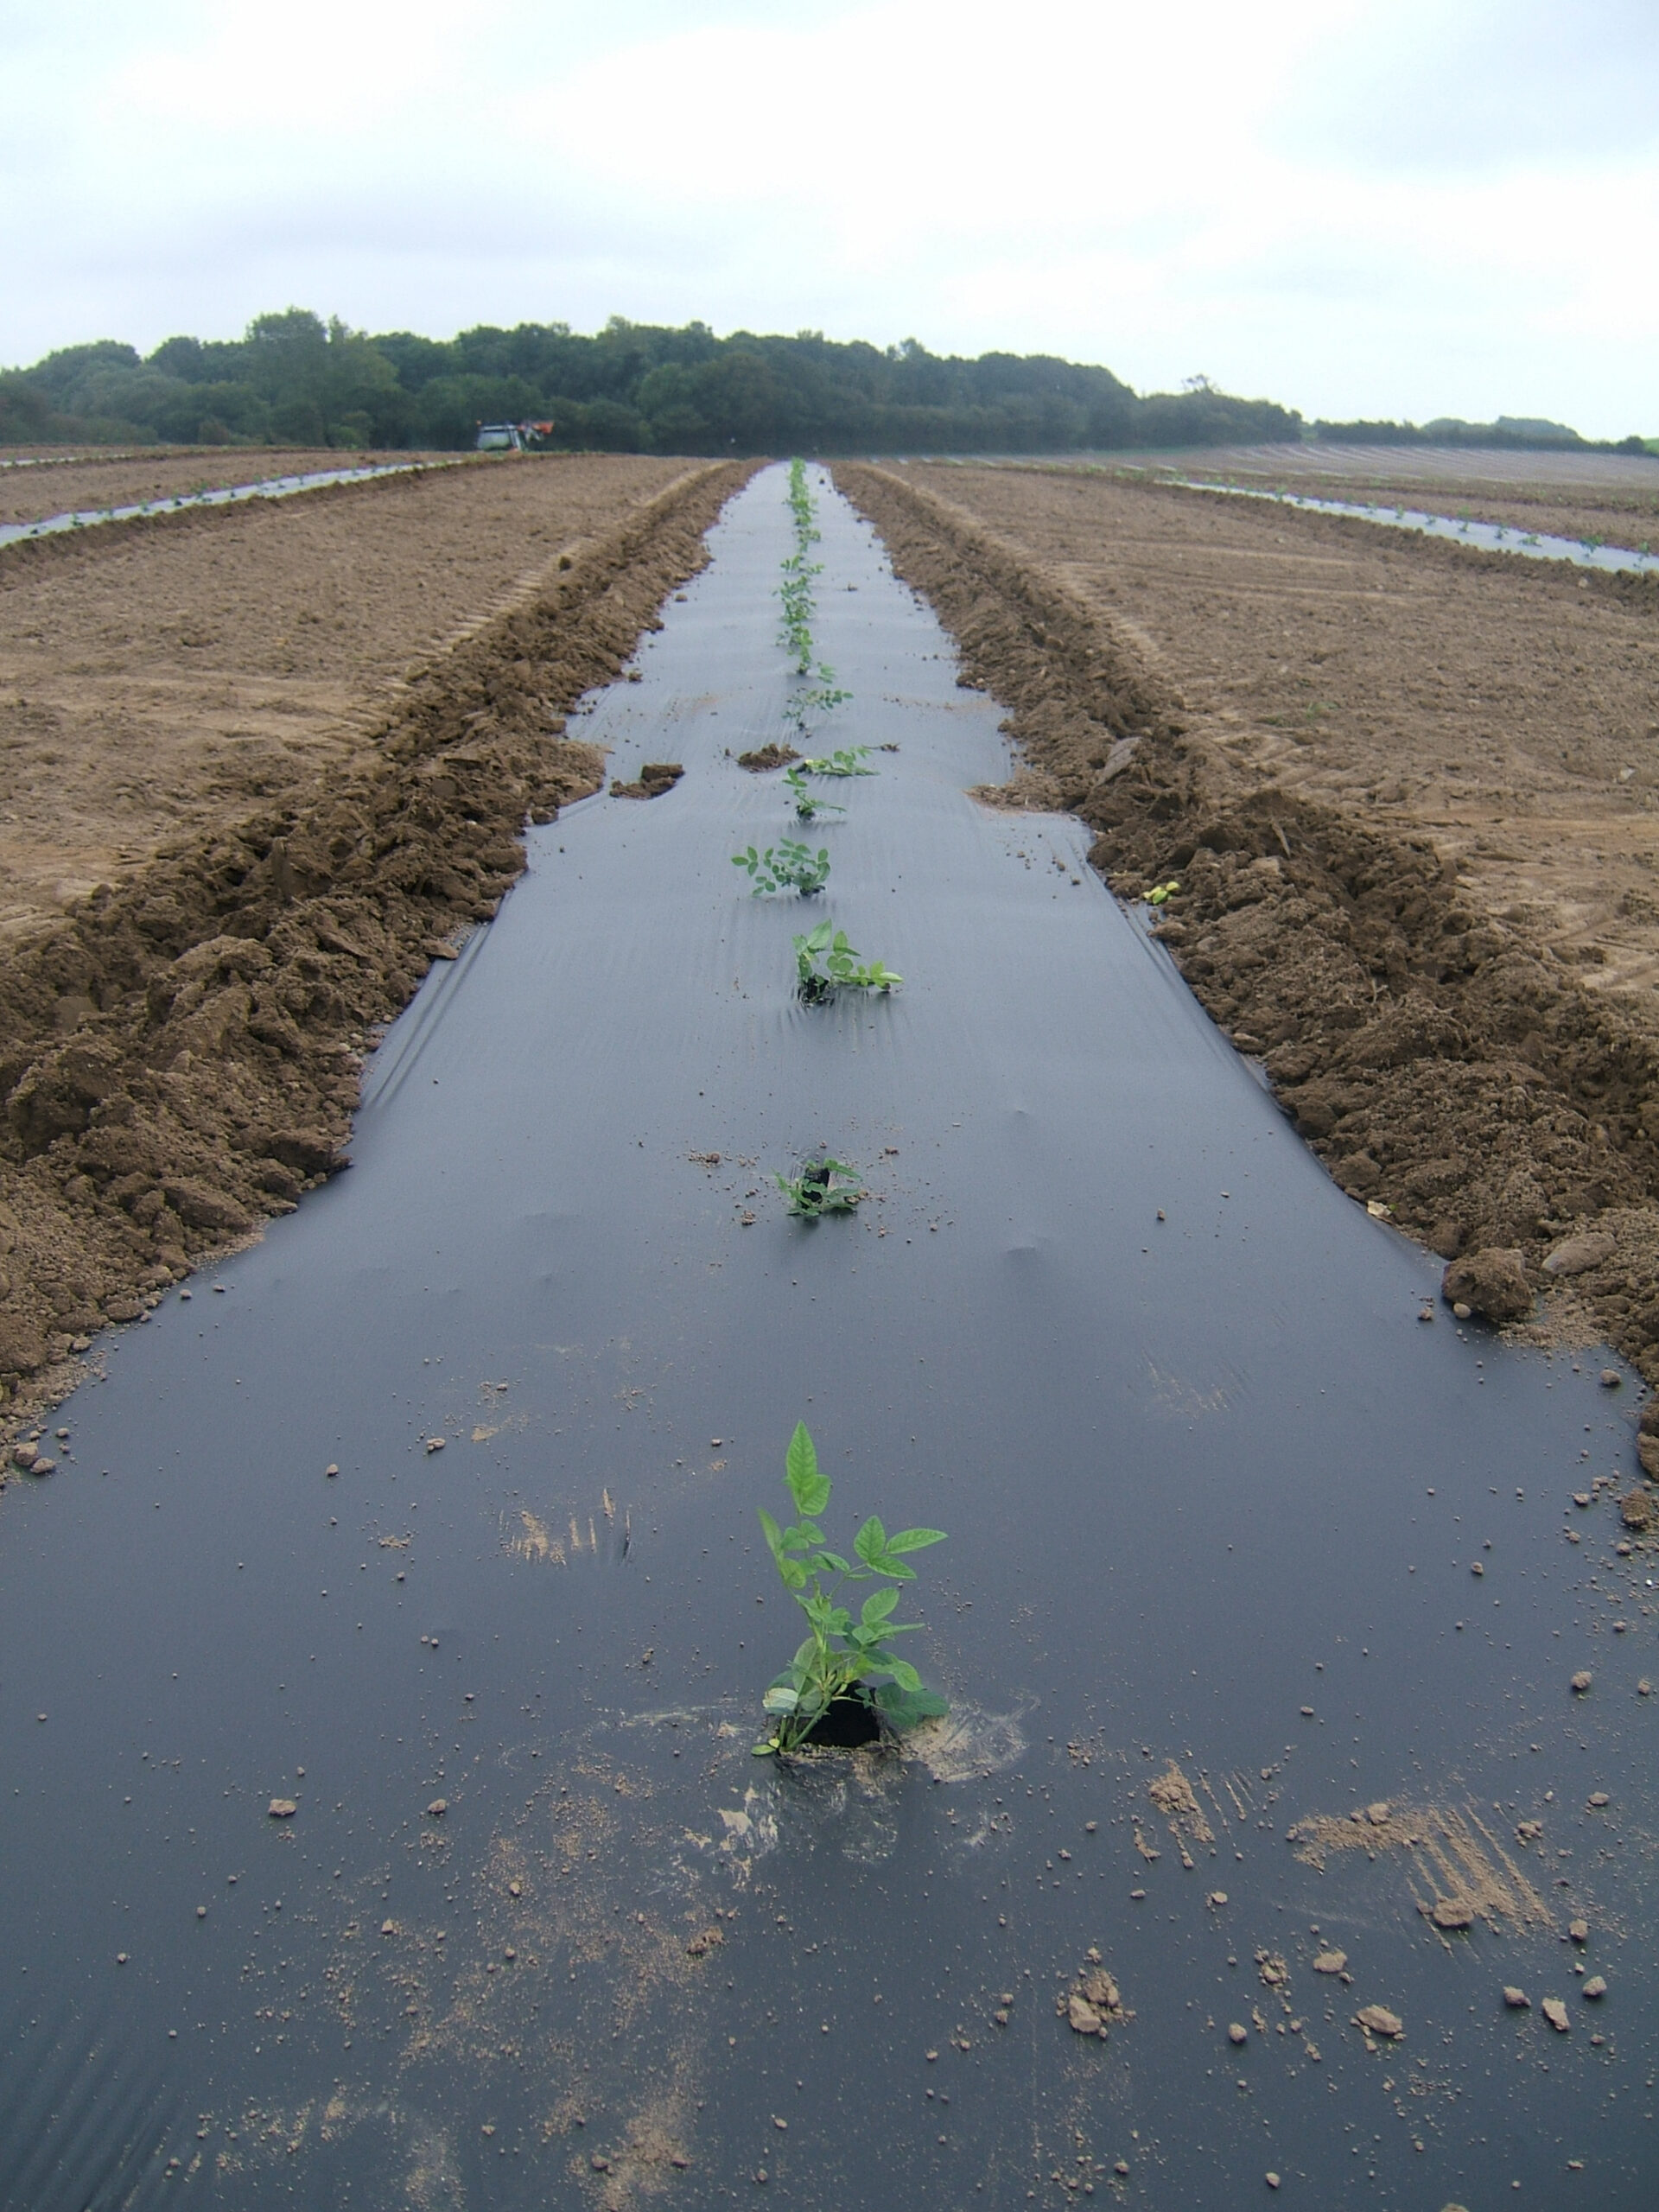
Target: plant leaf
x=915, y=1539
x=903, y=1708
x=808, y=1489
x=871, y=1541
x=880, y=1603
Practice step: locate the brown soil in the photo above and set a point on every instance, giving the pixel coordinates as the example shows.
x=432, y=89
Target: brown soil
x=180, y=1049
x=1620, y=506
x=33, y=491
x=1615, y=495
x=1387, y=774
x=160, y=678
x=655, y=778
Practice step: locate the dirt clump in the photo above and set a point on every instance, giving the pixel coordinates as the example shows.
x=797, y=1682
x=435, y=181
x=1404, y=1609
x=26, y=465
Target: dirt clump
x=768, y=757
x=1493, y=1283
x=655, y=778
x=180, y=1053
x=1092, y=2006
x=1441, y=1054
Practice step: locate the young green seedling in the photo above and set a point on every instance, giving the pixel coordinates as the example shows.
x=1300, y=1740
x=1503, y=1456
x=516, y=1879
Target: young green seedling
x=848, y=761
x=823, y=1186
x=807, y=803
x=1160, y=893
x=826, y=962
x=841, y=1658
x=785, y=865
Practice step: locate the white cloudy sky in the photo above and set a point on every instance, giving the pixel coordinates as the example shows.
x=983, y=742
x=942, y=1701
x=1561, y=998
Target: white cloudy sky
x=1403, y=207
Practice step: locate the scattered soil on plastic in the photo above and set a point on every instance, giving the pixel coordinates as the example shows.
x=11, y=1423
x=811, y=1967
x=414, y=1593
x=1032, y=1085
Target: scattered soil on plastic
x=1173, y=1796
x=1458, y=1871
x=1387, y=774
x=182, y=1050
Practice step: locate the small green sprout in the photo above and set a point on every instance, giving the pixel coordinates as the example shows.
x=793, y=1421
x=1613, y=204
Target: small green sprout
x=823, y=1186
x=848, y=761
x=827, y=962
x=1160, y=893
x=807, y=803
x=843, y=1659
x=785, y=865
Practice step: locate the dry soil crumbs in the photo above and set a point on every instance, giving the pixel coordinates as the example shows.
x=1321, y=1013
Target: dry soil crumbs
x=180, y=1053
x=1387, y=774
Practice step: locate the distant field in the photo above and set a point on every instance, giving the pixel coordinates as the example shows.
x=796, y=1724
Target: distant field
x=1613, y=497
x=33, y=491
x=154, y=679
x=1492, y=703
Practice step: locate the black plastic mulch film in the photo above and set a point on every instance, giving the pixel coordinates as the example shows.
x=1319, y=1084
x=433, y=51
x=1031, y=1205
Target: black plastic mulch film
x=1228, y=1698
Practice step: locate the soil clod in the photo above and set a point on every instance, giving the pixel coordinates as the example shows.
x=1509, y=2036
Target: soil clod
x=1492, y=1283
x=655, y=778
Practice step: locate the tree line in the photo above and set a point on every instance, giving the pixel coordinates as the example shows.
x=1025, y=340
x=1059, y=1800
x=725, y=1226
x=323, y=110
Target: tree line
x=296, y=380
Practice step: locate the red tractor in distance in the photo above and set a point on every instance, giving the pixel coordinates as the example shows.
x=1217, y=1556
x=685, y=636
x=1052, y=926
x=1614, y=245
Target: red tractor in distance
x=512, y=437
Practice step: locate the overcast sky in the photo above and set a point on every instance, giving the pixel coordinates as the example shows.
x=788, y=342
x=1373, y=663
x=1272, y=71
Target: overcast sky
x=1379, y=207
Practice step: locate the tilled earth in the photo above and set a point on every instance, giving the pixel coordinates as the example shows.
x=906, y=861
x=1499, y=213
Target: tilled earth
x=33, y=488
x=1612, y=499
x=181, y=1043
x=161, y=676
x=1411, y=796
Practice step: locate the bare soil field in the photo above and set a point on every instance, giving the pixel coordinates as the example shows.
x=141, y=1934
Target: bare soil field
x=32, y=491
x=157, y=677
x=1611, y=498
x=265, y=765
x=1411, y=794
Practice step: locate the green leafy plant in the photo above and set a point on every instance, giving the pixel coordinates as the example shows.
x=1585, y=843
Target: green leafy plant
x=808, y=804
x=848, y=761
x=825, y=696
x=785, y=865
x=841, y=1658
x=827, y=962
x=823, y=1186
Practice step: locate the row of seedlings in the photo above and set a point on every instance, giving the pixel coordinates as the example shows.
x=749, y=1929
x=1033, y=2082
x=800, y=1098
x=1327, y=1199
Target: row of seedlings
x=846, y=1685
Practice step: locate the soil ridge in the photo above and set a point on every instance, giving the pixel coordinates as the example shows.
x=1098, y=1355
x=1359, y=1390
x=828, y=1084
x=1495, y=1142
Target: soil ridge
x=96, y=536
x=179, y=1057
x=1442, y=1062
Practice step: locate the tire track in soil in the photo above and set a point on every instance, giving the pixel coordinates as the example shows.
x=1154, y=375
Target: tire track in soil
x=1441, y=1061
x=226, y=997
